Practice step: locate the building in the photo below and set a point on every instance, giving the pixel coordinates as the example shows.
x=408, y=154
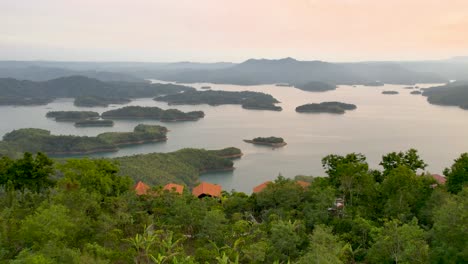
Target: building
x=141, y=188
x=207, y=189
x=260, y=187
x=439, y=178
x=174, y=188
x=304, y=184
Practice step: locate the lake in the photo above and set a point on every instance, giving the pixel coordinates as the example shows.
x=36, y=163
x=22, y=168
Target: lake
x=380, y=124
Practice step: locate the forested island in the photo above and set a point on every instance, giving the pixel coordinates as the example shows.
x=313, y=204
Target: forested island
x=94, y=101
x=155, y=113
x=40, y=140
x=87, y=211
x=87, y=90
x=390, y=92
x=375, y=84
x=415, y=92
x=72, y=116
x=452, y=94
x=248, y=100
x=275, y=142
x=94, y=123
x=326, y=107
x=315, y=86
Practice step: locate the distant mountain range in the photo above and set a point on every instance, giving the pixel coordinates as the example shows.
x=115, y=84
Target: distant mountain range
x=250, y=72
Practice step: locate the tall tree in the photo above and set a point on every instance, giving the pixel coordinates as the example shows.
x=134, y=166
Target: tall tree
x=457, y=175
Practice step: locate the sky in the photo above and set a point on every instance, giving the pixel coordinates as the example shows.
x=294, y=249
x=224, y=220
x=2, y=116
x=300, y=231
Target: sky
x=232, y=30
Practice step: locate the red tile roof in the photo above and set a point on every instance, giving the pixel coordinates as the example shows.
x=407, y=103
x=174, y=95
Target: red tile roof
x=260, y=187
x=440, y=179
x=303, y=184
x=207, y=189
x=174, y=187
x=141, y=188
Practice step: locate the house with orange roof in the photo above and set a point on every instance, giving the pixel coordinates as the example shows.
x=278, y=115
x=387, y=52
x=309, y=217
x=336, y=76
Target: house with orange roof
x=260, y=187
x=303, y=184
x=174, y=188
x=207, y=189
x=141, y=188
x=439, y=178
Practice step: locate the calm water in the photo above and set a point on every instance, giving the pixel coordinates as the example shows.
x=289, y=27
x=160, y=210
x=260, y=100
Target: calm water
x=381, y=124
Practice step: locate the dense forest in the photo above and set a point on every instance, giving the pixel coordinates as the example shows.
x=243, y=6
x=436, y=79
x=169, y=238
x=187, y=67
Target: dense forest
x=315, y=86
x=40, y=140
x=156, y=113
x=269, y=141
x=248, y=100
x=72, y=115
x=93, y=101
x=326, y=107
x=16, y=92
x=455, y=94
x=82, y=211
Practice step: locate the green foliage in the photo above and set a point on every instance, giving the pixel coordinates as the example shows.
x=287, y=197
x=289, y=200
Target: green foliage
x=273, y=140
x=32, y=173
x=457, y=175
x=409, y=159
x=72, y=115
x=156, y=113
x=326, y=107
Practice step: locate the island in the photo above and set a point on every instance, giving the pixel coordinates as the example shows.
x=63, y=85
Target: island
x=72, y=116
x=247, y=99
x=315, y=86
x=39, y=140
x=94, y=101
x=206, y=87
x=416, y=92
x=326, y=107
x=155, y=113
x=94, y=123
x=283, y=85
x=275, y=142
x=88, y=91
x=390, y=92
x=451, y=94
x=409, y=87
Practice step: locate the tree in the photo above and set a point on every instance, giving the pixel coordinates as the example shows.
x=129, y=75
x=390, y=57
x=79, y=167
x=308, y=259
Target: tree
x=333, y=165
x=457, y=175
x=285, y=240
x=450, y=230
x=32, y=173
x=324, y=247
x=409, y=159
x=395, y=243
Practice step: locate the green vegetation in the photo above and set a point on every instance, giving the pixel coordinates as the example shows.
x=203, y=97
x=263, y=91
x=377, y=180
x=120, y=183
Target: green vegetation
x=183, y=166
x=82, y=211
x=16, y=92
x=326, y=107
x=270, y=141
x=453, y=94
x=248, y=100
x=390, y=92
x=315, y=87
x=39, y=140
x=94, y=123
x=156, y=113
x=72, y=115
x=92, y=101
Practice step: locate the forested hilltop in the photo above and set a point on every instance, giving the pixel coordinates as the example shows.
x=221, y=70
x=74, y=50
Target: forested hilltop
x=454, y=94
x=87, y=90
x=82, y=211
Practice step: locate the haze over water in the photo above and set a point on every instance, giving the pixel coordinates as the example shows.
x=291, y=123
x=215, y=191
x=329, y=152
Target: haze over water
x=381, y=124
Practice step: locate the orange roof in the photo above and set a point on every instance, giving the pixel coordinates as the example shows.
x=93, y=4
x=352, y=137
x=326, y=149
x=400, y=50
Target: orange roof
x=260, y=187
x=303, y=184
x=141, y=188
x=207, y=189
x=440, y=179
x=174, y=187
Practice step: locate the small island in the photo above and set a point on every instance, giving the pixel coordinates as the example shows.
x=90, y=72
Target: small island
x=416, y=92
x=247, y=99
x=95, y=101
x=205, y=87
x=409, y=87
x=390, y=92
x=315, y=87
x=94, y=123
x=283, y=85
x=376, y=83
x=326, y=107
x=275, y=142
x=155, y=113
x=72, y=116
x=39, y=140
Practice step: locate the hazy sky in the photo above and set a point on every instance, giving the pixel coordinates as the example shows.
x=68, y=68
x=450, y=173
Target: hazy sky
x=232, y=30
